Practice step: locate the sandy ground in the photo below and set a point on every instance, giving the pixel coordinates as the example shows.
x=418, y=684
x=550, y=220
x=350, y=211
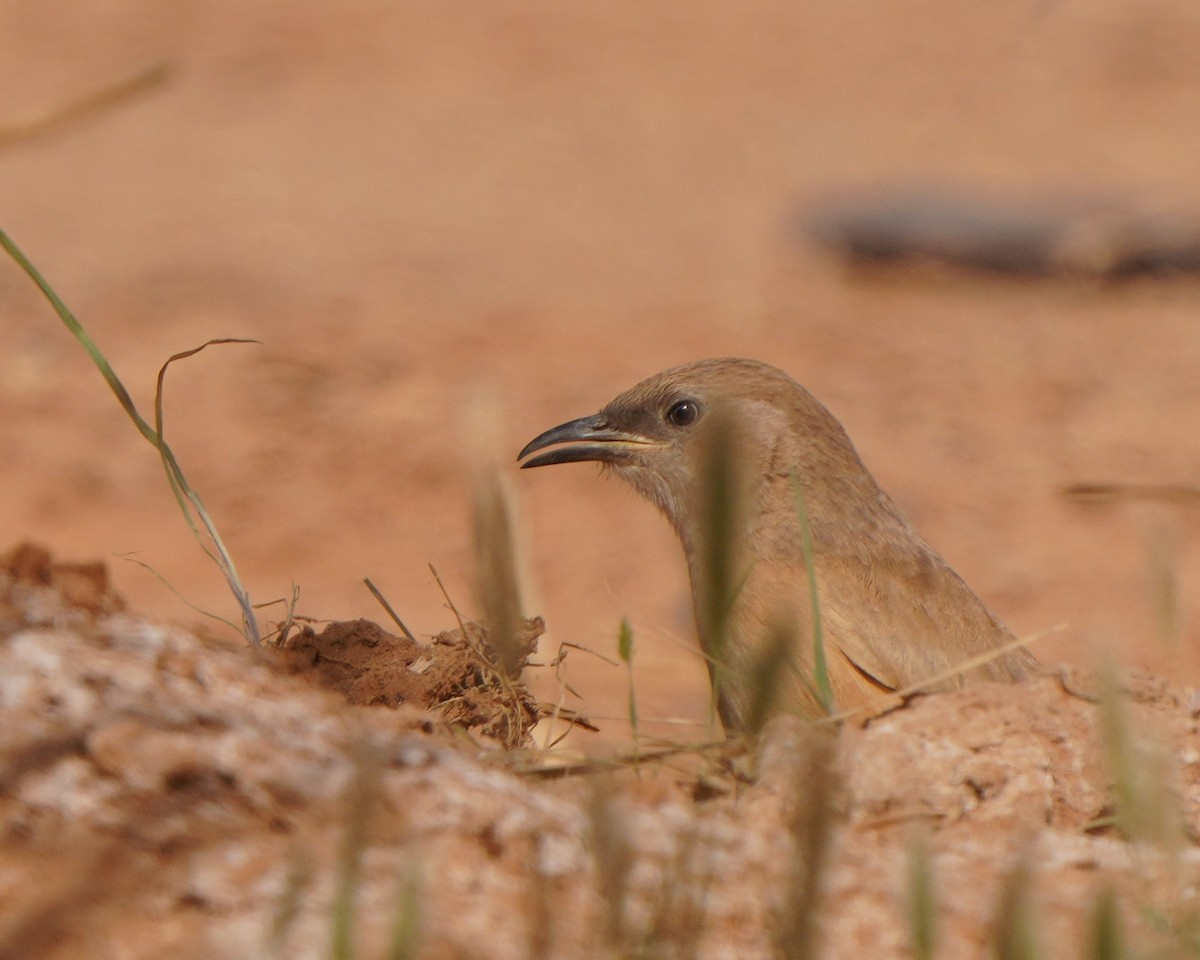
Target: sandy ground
x=165, y=794
x=452, y=227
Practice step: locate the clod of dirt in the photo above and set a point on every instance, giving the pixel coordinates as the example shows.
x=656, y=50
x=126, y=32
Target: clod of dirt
x=455, y=676
x=84, y=587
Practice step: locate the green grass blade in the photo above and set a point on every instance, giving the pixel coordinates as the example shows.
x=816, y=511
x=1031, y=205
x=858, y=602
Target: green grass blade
x=1105, y=941
x=362, y=795
x=820, y=678
x=625, y=652
x=182, y=599
x=1163, y=569
x=185, y=495
x=406, y=925
x=1147, y=809
x=82, y=336
x=1013, y=936
x=767, y=675
x=187, y=499
x=922, y=906
x=719, y=552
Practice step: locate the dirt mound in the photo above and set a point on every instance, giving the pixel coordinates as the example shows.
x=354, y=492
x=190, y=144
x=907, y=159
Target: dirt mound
x=456, y=674
x=169, y=794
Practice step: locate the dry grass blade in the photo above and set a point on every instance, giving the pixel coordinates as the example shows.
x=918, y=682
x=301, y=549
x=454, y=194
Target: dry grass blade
x=720, y=549
x=613, y=854
x=289, y=620
x=541, y=925
x=170, y=586
x=362, y=794
x=592, y=766
x=52, y=116
x=185, y=496
x=462, y=626
x=570, y=717
x=388, y=607
x=1164, y=585
x=1114, y=492
x=496, y=569
x=557, y=711
x=820, y=677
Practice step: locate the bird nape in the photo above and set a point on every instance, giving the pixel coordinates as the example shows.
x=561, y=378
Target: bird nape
x=812, y=592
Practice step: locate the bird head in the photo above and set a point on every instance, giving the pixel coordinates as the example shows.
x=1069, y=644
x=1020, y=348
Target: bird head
x=660, y=435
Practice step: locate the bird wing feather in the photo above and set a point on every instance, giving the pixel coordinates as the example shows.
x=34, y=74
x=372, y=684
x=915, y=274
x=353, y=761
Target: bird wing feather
x=904, y=616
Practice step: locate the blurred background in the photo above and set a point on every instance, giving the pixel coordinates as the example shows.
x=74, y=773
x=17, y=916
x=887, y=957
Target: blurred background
x=414, y=205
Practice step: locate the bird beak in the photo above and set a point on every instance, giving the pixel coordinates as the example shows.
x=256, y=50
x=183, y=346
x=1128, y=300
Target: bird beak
x=588, y=438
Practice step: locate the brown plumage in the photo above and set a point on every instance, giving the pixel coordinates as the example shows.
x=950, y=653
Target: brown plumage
x=892, y=611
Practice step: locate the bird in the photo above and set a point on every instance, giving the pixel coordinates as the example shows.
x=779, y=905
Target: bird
x=812, y=592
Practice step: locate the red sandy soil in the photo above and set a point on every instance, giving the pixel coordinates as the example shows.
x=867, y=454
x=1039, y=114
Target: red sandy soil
x=452, y=227
x=167, y=794
x=420, y=212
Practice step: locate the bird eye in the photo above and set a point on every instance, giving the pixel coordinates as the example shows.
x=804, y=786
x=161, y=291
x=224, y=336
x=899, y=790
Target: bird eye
x=684, y=413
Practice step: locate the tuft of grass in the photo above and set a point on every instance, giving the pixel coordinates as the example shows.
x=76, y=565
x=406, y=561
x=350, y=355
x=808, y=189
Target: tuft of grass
x=186, y=497
x=53, y=116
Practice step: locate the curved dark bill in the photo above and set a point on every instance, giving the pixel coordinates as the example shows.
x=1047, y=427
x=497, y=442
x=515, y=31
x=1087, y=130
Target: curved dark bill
x=588, y=438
